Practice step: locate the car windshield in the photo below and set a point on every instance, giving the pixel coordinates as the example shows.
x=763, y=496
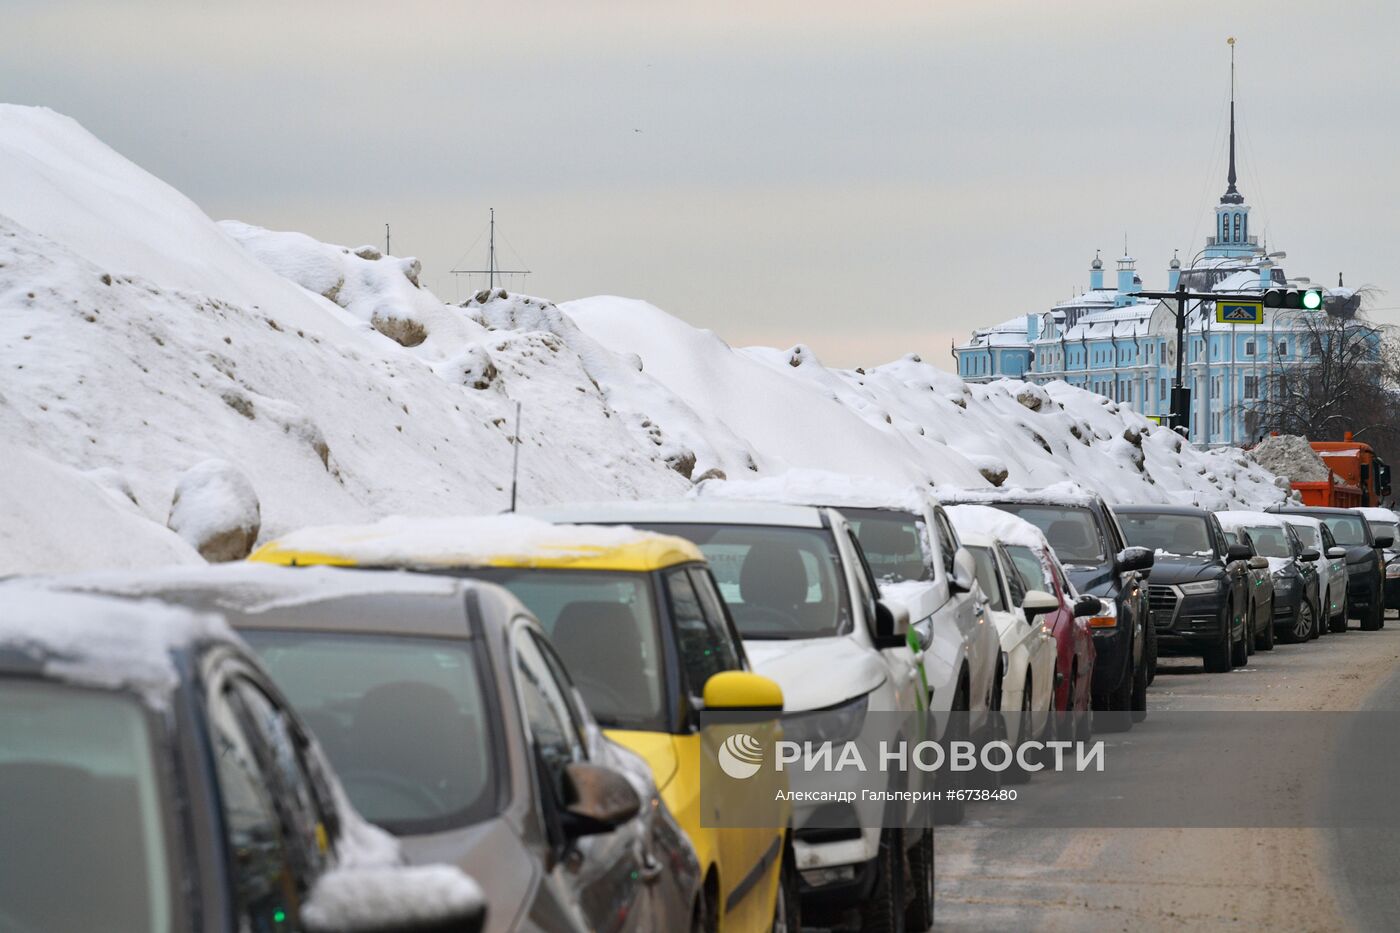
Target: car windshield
x=1349, y=530
x=1270, y=541
x=894, y=543
x=83, y=843
x=1032, y=570
x=604, y=626
x=778, y=582
x=1184, y=535
x=403, y=720
x=987, y=576
x=1071, y=530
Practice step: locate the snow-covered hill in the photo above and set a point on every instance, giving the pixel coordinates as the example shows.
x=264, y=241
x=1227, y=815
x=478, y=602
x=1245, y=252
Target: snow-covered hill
x=138, y=339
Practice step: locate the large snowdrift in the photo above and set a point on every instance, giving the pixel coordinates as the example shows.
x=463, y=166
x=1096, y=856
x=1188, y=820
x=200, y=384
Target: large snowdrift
x=138, y=339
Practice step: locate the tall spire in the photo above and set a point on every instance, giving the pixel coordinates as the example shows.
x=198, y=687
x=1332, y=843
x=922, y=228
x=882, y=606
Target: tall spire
x=1232, y=194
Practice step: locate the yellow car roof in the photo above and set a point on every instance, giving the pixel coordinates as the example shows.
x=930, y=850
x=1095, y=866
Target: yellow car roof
x=494, y=541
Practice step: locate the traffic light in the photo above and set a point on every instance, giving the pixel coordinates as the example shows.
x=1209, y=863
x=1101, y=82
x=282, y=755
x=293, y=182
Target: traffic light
x=1294, y=299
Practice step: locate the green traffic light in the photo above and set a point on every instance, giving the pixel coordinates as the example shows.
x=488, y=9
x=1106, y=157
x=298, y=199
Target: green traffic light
x=1312, y=300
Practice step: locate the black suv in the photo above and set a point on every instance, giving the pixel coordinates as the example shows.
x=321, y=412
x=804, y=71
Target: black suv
x=1086, y=538
x=1199, y=591
x=1365, y=564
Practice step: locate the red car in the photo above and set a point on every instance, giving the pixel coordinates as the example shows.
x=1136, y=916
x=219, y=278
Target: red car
x=1074, y=662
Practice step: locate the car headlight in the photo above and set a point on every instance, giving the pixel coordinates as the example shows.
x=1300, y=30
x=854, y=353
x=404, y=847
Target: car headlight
x=1392, y=570
x=840, y=723
x=1202, y=587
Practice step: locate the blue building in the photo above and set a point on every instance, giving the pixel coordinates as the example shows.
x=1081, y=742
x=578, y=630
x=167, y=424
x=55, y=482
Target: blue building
x=1109, y=341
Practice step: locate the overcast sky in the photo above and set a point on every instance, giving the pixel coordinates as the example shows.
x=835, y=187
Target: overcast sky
x=869, y=179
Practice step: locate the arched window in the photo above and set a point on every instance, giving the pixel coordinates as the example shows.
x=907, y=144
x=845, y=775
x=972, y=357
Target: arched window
x=1239, y=228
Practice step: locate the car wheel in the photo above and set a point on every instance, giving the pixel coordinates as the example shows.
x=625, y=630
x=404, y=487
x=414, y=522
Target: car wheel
x=1251, y=619
x=787, y=906
x=1373, y=619
x=1218, y=656
x=883, y=910
x=1266, y=636
x=1143, y=679
x=1015, y=774
x=1302, y=623
x=1115, y=704
x=919, y=914
x=1239, y=651
x=1083, y=719
x=1338, y=623
x=950, y=812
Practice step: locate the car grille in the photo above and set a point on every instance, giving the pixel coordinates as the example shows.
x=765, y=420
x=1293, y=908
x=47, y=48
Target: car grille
x=1162, y=599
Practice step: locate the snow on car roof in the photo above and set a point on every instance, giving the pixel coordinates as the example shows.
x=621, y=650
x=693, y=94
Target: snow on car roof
x=706, y=511
x=1065, y=493
x=1376, y=514
x=1235, y=520
x=489, y=541
x=103, y=641
x=989, y=522
x=818, y=487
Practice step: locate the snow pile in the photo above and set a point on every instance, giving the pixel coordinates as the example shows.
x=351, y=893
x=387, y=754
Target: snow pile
x=514, y=540
x=908, y=422
x=216, y=511
x=140, y=339
x=1291, y=457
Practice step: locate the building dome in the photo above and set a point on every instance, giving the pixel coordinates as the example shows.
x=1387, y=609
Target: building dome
x=1097, y=263
x=1175, y=263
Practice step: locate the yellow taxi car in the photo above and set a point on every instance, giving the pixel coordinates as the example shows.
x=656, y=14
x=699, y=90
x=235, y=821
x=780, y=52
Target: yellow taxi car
x=641, y=627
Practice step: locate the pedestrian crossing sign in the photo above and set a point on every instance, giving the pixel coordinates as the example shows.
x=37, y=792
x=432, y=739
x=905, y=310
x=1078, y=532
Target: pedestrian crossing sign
x=1239, y=312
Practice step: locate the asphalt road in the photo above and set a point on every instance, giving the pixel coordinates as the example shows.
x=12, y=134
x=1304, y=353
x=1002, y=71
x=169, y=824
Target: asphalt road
x=997, y=871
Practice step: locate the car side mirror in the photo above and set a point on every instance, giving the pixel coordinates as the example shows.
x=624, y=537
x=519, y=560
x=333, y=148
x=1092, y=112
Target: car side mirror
x=1336, y=553
x=964, y=576
x=1238, y=552
x=743, y=690
x=1258, y=563
x=1134, y=558
x=598, y=800
x=422, y=898
x=1038, y=602
x=891, y=625
x=1086, y=606
x=1309, y=555
x=1384, y=541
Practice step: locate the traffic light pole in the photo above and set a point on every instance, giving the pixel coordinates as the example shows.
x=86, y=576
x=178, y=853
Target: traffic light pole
x=1181, y=396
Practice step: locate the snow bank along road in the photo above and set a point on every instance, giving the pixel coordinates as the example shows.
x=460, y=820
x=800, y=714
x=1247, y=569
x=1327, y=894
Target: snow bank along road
x=994, y=875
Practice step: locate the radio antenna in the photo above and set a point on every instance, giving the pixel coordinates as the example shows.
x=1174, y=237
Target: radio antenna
x=515, y=460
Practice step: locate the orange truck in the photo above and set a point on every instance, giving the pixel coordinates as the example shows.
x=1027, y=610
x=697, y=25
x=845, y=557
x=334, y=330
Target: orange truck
x=1358, y=478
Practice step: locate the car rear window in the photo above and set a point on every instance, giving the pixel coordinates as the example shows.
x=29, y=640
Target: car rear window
x=1073, y=531
x=404, y=720
x=82, y=835
x=778, y=582
x=895, y=543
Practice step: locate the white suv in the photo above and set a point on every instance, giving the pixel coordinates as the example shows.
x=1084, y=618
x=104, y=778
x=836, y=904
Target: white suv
x=807, y=606
x=915, y=554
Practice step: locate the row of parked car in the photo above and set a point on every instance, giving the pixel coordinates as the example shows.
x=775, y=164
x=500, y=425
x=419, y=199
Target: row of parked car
x=494, y=722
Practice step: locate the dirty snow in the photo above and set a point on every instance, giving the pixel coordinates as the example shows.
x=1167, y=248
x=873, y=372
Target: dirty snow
x=139, y=338
x=1291, y=457
x=216, y=511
